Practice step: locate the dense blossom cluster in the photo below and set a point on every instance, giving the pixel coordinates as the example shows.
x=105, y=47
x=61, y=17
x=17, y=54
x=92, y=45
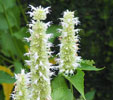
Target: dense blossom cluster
x=22, y=84
x=39, y=48
x=35, y=85
x=38, y=53
x=69, y=60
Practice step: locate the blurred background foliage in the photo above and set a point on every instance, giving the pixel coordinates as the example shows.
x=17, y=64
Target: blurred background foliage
x=96, y=41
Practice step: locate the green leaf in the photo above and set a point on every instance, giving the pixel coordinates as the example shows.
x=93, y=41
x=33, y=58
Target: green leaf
x=90, y=95
x=88, y=65
x=62, y=94
x=3, y=22
x=11, y=20
x=53, y=29
x=7, y=4
x=18, y=66
x=21, y=33
x=60, y=89
x=77, y=81
x=6, y=78
x=7, y=44
x=11, y=45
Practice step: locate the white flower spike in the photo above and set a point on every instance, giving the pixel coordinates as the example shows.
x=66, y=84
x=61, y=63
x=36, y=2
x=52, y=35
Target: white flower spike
x=39, y=48
x=69, y=60
x=21, y=91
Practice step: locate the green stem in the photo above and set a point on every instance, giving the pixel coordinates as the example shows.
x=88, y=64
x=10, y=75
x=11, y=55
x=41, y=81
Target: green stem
x=11, y=66
x=6, y=59
x=7, y=19
x=22, y=10
x=71, y=87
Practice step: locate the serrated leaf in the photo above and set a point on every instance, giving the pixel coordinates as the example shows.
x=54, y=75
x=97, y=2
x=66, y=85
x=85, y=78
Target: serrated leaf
x=6, y=78
x=88, y=65
x=78, y=81
x=60, y=89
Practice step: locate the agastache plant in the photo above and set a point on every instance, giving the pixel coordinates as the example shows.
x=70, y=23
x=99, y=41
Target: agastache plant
x=39, y=53
x=69, y=59
x=22, y=84
x=35, y=85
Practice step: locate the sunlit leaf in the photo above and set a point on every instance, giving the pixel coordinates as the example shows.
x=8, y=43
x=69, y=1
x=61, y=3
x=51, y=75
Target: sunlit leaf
x=78, y=81
x=60, y=89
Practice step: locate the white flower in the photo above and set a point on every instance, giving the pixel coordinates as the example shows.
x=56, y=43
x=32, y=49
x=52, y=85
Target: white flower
x=21, y=89
x=39, y=48
x=69, y=44
x=39, y=13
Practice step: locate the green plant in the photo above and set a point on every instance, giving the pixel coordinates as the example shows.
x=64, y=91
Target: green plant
x=71, y=66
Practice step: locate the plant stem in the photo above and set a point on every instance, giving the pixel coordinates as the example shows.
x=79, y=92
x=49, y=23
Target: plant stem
x=6, y=59
x=22, y=10
x=7, y=19
x=71, y=87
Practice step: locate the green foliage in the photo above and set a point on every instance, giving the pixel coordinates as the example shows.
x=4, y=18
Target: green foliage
x=96, y=38
x=60, y=89
x=96, y=42
x=11, y=33
x=18, y=66
x=78, y=81
x=90, y=95
x=12, y=46
x=88, y=65
x=6, y=78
